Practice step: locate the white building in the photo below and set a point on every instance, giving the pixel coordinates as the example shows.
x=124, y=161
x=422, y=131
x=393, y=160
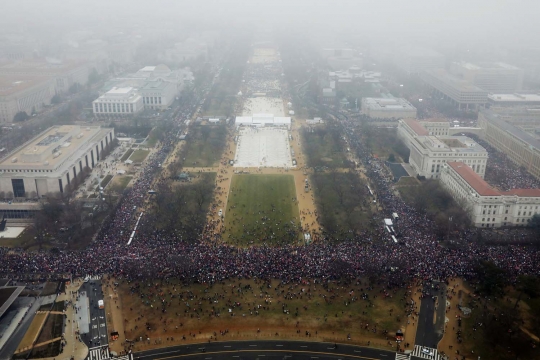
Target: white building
x=503, y=100
x=494, y=77
x=158, y=94
x=118, y=102
x=436, y=127
x=48, y=163
x=258, y=120
x=487, y=206
x=387, y=108
x=24, y=93
x=460, y=91
x=429, y=153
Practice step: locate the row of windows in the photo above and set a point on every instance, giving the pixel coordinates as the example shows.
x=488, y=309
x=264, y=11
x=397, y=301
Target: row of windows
x=152, y=100
x=113, y=108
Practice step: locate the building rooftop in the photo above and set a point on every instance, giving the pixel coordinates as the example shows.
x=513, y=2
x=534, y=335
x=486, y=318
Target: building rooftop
x=514, y=98
x=120, y=90
x=488, y=66
x=157, y=84
x=515, y=131
x=455, y=82
x=473, y=179
x=12, y=84
x=7, y=297
x=416, y=127
x=456, y=144
x=523, y=192
x=389, y=104
x=50, y=149
x=47, y=67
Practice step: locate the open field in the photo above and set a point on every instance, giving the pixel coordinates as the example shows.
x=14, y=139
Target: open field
x=323, y=147
x=139, y=155
x=126, y=155
x=120, y=182
x=205, y=145
x=52, y=328
x=32, y=332
x=343, y=203
x=262, y=209
x=105, y=181
x=500, y=335
x=249, y=309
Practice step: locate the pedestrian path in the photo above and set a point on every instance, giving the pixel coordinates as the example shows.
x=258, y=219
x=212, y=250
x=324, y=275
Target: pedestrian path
x=402, y=356
x=102, y=353
x=425, y=353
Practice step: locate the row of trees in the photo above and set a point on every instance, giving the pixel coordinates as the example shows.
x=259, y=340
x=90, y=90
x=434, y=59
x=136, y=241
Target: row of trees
x=180, y=208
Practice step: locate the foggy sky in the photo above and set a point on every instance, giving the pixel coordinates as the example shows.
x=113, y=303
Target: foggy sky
x=431, y=21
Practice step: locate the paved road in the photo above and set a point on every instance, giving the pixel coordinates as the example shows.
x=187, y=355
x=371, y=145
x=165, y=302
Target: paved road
x=98, y=327
x=268, y=349
x=430, y=330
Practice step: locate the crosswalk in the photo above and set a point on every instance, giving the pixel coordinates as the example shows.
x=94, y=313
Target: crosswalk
x=102, y=353
x=402, y=356
x=426, y=353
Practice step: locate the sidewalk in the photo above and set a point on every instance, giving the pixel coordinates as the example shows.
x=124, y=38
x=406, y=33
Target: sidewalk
x=73, y=346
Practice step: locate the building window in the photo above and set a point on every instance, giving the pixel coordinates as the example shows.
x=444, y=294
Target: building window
x=18, y=187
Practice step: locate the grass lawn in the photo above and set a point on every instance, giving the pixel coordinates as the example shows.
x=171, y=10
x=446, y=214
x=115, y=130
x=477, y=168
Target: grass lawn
x=52, y=328
x=139, y=155
x=205, y=145
x=408, y=181
x=324, y=147
x=32, y=332
x=120, y=182
x=260, y=209
x=105, y=181
x=329, y=311
x=152, y=138
x=126, y=155
x=343, y=203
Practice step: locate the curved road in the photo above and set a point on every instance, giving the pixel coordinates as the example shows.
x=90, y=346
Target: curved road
x=274, y=349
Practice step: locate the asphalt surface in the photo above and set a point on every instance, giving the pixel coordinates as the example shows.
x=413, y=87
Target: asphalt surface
x=98, y=325
x=431, y=319
x=275, y=349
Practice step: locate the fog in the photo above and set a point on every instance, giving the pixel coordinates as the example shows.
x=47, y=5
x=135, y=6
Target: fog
x=432, y=22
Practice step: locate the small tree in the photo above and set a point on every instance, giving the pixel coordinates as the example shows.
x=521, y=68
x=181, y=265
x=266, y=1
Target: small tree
x=534, y=223
x=21, y=116
x=56, y=99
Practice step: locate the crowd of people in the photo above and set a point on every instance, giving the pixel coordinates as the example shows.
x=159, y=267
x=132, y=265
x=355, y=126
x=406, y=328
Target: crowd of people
x=209, y=259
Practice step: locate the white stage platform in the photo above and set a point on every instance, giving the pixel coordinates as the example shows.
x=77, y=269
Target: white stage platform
x=263, y=147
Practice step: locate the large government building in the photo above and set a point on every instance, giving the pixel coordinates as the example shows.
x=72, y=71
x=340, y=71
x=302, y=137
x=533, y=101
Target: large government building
x=459, y=91
x=511, y=131
x=487, y=206
x=388, y=108
x=429, y=153
x=48, y=163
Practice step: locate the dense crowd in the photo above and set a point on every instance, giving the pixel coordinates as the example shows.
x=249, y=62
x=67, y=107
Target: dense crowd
x=210, y=260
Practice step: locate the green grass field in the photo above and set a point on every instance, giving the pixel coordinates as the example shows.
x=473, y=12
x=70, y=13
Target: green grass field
x=126, y=155
x=120, y=182
x=139, y=155
x=260, y=209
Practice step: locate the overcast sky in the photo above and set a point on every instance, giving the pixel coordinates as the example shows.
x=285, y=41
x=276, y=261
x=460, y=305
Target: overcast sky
x=497, y=21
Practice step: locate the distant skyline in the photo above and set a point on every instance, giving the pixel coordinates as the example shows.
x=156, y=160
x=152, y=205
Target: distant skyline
x=454, y=21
